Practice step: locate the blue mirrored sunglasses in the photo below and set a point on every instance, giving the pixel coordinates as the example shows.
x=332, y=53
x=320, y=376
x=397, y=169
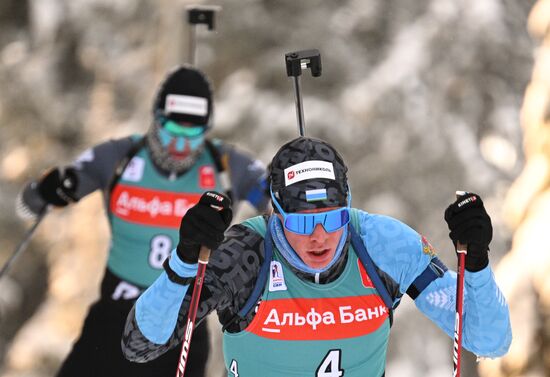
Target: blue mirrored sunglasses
x=305, y=223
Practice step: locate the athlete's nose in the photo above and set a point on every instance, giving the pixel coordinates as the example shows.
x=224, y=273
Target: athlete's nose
x=319, y=234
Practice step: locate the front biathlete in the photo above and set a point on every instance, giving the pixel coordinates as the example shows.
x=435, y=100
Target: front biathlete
x=149, y=182
x=310, y=290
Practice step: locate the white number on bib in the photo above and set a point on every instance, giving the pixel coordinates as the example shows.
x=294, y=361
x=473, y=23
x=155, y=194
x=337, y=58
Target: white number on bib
x=330, y=366
x=233, y=368
x=161, y=246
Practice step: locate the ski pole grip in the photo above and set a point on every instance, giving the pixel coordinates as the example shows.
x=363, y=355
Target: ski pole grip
x=204, y=255
x=461, y=248
x=298, y=60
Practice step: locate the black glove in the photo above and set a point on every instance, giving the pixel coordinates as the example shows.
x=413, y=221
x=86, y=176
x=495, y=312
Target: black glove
x=470, y=224
x=204, y=224
x=58, y=187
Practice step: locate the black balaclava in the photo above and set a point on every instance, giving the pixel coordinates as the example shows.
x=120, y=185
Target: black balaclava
x=185, y=96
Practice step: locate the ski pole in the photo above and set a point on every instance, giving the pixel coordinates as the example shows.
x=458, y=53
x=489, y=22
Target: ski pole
x=199, y=15
x=23, y=244
x=462, y=250
x=204, y=256
x=295, y=62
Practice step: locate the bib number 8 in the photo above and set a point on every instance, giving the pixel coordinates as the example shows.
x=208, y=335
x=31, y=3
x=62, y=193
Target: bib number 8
x=160, y=248
x=330, y=366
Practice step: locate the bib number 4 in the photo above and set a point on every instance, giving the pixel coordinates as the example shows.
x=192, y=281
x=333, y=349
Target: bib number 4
x=330, y=366
x=234, y=368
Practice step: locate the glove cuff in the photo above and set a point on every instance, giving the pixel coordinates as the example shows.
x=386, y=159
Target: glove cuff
x=477, y=262
x=174, y=277
x=188, y=252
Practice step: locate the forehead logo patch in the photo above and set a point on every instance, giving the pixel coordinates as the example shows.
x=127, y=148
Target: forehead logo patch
x=181, y=104
x=314, y=169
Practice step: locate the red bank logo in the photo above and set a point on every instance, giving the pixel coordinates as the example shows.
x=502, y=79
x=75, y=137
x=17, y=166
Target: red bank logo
x=151, y=207
x=319, y=318
x=365, y=279
x=207, y=178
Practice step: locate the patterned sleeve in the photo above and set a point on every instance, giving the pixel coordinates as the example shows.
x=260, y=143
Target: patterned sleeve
x=403, y=254
x=157, y=322
x=248, y=178
x=486, y=324
x=94, y=169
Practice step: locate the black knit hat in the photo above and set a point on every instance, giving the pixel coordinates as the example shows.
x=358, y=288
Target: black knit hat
x=184, y=96
x=308, y=173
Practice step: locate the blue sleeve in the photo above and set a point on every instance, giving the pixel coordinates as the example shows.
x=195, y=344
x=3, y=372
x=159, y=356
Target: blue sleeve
x=403, y=254
x=158, y=307
x=395, y=248
x=486, y=319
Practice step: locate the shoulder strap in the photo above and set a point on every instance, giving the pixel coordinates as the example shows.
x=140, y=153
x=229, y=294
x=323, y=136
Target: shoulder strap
x=366, y=260
x=434, y=270
x=222, y=166
x=134, y=149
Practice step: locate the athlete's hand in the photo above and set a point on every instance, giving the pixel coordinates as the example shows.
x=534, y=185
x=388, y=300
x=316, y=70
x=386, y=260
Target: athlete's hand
x=204, y=224
x=470, y=224
x=58, y=186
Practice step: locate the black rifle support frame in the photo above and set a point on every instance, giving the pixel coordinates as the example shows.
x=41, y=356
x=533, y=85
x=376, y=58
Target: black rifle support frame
x=295, y=63
x=197, y=15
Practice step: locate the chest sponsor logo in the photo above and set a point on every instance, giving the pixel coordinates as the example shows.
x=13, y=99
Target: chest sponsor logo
x=207, y=177
x=134, y=170
x=319, y=318
x=276, y=277
x=151, y=207
x=365, y=279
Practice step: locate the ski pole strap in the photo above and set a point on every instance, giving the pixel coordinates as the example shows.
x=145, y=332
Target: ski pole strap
x=366, y=260
x=433, y=271
x=262, y=276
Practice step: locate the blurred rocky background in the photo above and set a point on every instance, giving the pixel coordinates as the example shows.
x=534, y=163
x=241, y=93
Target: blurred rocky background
x=422, y=97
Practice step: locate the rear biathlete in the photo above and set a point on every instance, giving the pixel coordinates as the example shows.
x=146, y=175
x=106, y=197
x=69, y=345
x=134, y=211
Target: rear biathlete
x=149, y=182
x=310, y=290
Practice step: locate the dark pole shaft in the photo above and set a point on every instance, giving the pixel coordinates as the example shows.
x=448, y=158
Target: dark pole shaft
x=299, y=107
x=192, y=44
x=23, y=244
